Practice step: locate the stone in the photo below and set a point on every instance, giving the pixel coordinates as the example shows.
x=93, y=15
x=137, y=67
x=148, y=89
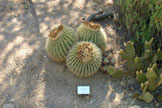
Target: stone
x=12, y=100
x=91, y=102
x=135, y=106
x=157, y=104
x=9, y=105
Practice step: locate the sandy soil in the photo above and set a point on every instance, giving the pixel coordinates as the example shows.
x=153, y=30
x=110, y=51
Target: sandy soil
x=29, y=79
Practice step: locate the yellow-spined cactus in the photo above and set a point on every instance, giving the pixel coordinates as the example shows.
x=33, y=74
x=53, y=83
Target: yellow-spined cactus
x=60, y=40
x=84, y=59
x=89, y=31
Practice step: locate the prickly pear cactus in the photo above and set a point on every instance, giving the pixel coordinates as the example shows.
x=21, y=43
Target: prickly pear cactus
x=84, y=59
x=89, y=31
x=114, y=72
x=140, y=76
x=148, y=97
x=129, y=51
x=60, y=40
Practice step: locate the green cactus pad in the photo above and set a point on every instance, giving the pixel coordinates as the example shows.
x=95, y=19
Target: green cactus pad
x=140, y=77
x=151, y=74
x=129, y=51
x=84, y=59
x=159, y=54
x=137, y=96
x=60, y=40
x=115, y=72
x=148, y=49
x=138, y=61
x=160, y=98
x=89, y=31
x=160, y=81
x=148, y=97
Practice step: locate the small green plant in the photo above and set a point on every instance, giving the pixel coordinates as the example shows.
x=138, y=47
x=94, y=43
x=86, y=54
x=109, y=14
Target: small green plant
x=60, y=40
x=89, y=31
x=84, y=59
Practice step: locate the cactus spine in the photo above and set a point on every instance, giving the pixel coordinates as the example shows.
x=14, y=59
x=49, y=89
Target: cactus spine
x=60, y=40
x=84, y=59
x=89, y=31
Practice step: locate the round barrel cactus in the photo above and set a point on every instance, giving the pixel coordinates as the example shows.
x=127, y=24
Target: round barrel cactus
x=60, y=40
x=89, y=31
x=84, y=59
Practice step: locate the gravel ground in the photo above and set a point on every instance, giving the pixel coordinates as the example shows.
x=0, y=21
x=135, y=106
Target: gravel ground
x=29, y=79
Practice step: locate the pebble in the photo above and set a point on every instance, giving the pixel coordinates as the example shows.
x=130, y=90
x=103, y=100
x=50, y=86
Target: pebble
x=110, y=55
x=146, y=107
x=157, y=104
x=75, y=106
x=9, y=105
x=113, y=60
x=94, y=6
x=12, y=100
x=91, y=102
x=83, y=18
x=135, y=106
x=123, y=83
x=88, y=96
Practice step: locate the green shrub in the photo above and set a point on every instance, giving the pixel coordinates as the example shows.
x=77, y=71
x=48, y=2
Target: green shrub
x=143, y=20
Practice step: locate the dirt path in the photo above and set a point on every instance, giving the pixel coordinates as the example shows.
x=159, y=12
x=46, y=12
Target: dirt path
x=29, y=79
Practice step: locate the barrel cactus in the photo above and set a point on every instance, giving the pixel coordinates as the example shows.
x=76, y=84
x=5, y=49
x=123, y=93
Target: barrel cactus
x=60, y=40
x=84, y=59
x=89, y=31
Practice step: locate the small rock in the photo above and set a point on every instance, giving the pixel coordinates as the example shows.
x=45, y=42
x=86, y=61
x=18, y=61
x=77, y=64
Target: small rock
x=59, y=102
x=9, y=105
x=113, y=60
x=87, y=97
x=146, y=107
x=83, y=18
x=157, y=104
x=91, y=102
x=135, y=106
x=106, y=60
x=116, y=17
x=12, y=100
x=102, y=68
x=45, y=56
x=94, y=6
x=123, y=83
x=75, y=106
x=110, y=55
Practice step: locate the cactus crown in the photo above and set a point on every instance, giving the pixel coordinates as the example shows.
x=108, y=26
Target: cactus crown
x=54, y=34
x=85, y=52
x=92, y=25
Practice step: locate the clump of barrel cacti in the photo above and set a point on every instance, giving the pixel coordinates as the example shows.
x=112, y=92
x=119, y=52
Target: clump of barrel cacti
x=60, y=40
x=84, y=59
x=89, y=31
